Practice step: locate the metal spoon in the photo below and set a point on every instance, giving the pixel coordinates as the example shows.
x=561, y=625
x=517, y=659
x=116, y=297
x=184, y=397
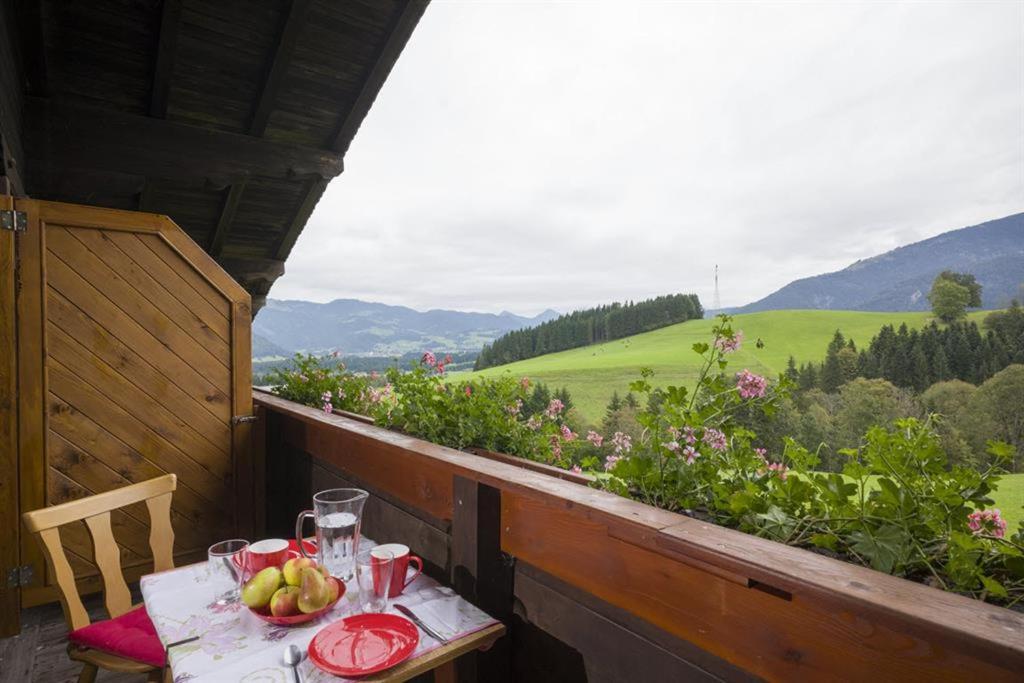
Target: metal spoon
x=292, y=656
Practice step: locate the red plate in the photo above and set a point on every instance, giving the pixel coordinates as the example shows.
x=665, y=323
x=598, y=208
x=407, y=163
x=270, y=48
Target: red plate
x=363, y=644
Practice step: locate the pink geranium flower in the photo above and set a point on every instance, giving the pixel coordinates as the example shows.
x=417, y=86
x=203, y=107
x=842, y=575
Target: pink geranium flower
x=750, y=385
x=729, y=344
x=623, y=443
x=567, y=433
x=429, y=359
x=555, y=407
x=595, y=438
x=988, y=522
x=691, y=454
x=715, y=438
x=610, y=462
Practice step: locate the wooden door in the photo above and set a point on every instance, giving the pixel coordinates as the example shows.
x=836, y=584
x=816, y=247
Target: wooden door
x=133, y=360
x=10, y=595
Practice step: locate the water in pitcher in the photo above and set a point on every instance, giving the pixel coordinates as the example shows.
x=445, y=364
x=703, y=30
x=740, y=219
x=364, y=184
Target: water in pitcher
x=336, y=537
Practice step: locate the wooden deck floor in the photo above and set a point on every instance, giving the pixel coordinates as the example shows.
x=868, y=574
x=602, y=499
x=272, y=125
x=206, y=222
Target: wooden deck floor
x=39, y=653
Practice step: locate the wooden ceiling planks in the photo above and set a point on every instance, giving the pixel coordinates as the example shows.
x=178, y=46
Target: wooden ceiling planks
x=230, y=117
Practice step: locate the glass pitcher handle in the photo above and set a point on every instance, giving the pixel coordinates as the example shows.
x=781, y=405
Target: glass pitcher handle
x=298, y=530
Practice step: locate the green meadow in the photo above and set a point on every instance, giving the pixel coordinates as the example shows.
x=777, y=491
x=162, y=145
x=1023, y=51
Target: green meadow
x=1009, y=497
x=592, y=373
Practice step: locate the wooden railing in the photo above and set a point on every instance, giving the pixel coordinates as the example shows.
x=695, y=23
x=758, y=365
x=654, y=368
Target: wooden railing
x=598, y=584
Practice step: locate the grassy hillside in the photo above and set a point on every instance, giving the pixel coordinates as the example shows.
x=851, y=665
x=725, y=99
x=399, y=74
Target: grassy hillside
x=1009, y=497
x=592, y=373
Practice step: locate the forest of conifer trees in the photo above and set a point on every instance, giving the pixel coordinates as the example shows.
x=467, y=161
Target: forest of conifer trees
x=590, y=326
x=916, y=359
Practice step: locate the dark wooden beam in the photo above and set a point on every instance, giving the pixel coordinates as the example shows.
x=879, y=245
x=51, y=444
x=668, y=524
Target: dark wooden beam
x=278, y=66
x=146, y=197
x=314, y=190
x=227, y=216
x=399, y=30
x=170, y=20
x=12, y=87
x=480, y=572
x=62, y=137
x=32, y=47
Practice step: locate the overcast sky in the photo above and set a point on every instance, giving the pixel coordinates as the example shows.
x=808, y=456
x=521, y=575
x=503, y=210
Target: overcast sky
x=526, y=155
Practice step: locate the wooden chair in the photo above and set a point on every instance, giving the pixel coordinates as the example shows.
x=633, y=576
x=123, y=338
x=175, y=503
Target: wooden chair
x=95, y=512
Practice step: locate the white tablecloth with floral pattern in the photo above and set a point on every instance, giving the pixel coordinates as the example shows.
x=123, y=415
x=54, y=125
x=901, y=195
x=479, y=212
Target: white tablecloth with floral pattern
x=234, y=645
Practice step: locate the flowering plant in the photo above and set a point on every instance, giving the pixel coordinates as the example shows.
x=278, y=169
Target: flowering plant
x=321, y=383
x=897, y=507
x=482, y=413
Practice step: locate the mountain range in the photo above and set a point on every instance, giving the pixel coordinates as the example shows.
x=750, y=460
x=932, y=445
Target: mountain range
x=356, y=327
x=899, y=280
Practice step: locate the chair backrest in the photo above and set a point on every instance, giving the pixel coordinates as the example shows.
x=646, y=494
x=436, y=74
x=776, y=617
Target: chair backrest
x=95, y=512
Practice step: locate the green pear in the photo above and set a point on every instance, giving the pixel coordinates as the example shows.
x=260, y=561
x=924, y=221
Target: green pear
x=285, y=602
x=313, y=594
x=293, y=569
x=258, y=590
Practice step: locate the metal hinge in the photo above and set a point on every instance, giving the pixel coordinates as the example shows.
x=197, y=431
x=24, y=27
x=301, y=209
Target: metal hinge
x=242, y=419
x=15, y=221
x=19, y=576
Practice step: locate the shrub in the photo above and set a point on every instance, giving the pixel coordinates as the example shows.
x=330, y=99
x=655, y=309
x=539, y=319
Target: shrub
x=320, y=383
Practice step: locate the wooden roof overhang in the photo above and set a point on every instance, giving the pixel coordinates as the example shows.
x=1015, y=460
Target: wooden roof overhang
x=231, y=117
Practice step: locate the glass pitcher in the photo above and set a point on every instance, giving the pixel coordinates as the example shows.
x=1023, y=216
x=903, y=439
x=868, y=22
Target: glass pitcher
x=338, y=514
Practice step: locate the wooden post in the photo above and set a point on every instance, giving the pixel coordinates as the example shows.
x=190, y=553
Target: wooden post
x=481, y=574
x=258, y=452
x=10, y=556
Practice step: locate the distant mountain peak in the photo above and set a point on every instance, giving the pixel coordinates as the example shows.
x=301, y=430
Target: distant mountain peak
x=897, y=280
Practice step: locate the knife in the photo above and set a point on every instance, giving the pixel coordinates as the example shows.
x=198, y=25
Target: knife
x=419, y=622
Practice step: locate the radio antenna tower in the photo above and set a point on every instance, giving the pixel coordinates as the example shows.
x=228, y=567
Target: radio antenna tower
x=718, y=299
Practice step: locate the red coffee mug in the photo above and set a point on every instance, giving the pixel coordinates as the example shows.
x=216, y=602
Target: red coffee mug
x=272, y=552
x=401, y=567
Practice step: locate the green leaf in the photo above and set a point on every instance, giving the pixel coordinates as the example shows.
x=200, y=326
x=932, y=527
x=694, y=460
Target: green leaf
x=1000, y=451
x=701, y=348
x=993, y=587
x=824, y=541
x=886, y=548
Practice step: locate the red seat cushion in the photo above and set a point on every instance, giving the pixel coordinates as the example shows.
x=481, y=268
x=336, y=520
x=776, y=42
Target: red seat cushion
x=130, y=635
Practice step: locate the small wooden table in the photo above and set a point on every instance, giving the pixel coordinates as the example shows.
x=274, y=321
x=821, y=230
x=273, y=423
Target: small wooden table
x=231, y=644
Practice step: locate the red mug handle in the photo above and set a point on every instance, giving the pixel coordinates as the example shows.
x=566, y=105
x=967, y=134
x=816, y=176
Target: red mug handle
x=419, y=569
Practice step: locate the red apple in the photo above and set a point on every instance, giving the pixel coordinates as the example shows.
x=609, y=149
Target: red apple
x=285, y=601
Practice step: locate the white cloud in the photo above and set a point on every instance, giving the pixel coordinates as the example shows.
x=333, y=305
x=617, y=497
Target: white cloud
x=531, y=155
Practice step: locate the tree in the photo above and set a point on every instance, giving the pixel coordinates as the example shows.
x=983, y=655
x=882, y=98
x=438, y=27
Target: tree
x=864, y=403
x=965, y=280
x=994, y=412
x=614, y=405
x=949, y=300
x=791, y=372
x=949, y=400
